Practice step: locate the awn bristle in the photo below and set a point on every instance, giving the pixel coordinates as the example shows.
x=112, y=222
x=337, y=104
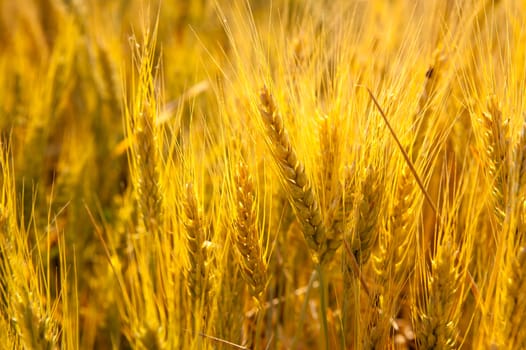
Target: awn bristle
x=427, y=96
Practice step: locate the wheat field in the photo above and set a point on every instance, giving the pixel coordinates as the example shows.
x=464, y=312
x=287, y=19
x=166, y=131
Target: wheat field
x=280, y=174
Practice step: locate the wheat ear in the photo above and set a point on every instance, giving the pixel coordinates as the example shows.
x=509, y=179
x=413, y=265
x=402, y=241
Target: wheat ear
x=38, y=331
x=141, y=113
x=301, y=194
x=335, y=197
x=367, y=210
x=496, y=143
x=365, y=215
x=248, y=244
x=392, y=262
x=394, y=253
x=520, y=159
x=439, y=318
x=516, y=287
x=196, y=272
x=152, y=337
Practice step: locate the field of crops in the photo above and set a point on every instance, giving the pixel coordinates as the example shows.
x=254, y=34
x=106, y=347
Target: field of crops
x=262, y=174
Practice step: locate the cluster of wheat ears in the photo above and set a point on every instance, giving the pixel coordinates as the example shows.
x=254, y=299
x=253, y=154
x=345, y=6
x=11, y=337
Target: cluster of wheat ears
x=285, y=174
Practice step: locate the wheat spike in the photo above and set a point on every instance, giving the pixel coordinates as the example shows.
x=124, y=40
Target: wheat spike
x=518, y=325
x=368, y=204
x=392, y=263
x=152, y=338
x=439, y=317
x=365, y=215
x=196, y=273
x=520, y=154
x=520, y=160
x=253, y=266
x=301, y=194
x=512, y=324
x=141, y=127
x=148, y=193
x=335, y=197
x=394, y=252
x=496, y=141
x=37, y=330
